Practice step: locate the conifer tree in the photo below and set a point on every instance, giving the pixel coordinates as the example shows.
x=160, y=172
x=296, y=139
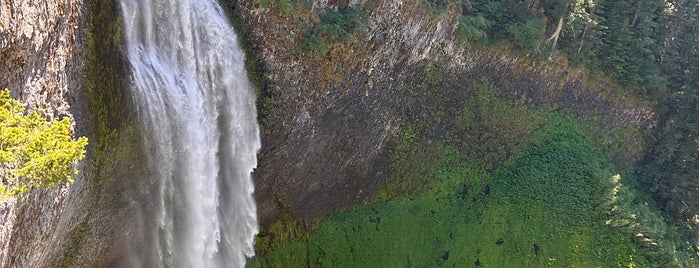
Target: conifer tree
x=34, y=152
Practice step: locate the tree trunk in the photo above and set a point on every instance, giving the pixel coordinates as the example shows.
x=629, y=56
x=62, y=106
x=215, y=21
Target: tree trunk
x=556, y=33
x=582, y=38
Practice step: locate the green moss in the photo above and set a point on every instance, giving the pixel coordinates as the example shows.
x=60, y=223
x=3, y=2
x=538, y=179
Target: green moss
x=115, y=149
x=105, y=77
x=76, y=239
x=118, y=153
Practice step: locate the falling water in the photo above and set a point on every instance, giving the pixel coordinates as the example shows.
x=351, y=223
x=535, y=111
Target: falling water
x=202, y=137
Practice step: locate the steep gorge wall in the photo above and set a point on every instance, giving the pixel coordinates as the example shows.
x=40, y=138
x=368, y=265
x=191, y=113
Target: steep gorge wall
x=328, y=130
x=42, y=46
x=42, y=51
x=332, y=120
x=62, y=58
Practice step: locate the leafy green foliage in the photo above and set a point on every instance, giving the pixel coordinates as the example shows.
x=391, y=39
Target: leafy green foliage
x=340, y=25
x=490, y=129
x=439, y=5
x=620, y=38
x=557, y=8
x=571, y=181
x=648, y=46
x=671, y=168
x=33, y=152
x=510, y=21
x=483, y=128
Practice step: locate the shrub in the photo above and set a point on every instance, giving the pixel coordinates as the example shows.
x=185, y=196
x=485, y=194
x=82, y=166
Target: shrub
x=313, y=44
x=334, y=26
x=526, y=36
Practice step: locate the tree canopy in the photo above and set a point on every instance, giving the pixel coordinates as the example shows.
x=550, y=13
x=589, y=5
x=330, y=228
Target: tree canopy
x=34, y=152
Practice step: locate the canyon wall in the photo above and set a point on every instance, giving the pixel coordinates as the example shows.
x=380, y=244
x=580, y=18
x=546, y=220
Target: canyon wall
x=329, y=121
x=332, y=118
x=42, y=52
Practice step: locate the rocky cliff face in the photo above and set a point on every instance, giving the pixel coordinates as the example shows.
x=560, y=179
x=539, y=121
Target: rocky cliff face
x=42, y=49
x=333, y=119
x=328, y=130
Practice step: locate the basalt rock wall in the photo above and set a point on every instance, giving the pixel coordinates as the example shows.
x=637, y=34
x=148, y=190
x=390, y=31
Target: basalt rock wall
x=333, y=117
x=329, y=121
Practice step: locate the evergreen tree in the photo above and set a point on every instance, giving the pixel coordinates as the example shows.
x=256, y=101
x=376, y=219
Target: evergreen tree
x=614, y=53
x=672, y=166
x=34, y=152
x=645, y=47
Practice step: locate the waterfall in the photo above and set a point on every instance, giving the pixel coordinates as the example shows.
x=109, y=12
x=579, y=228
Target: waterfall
x=201, y=134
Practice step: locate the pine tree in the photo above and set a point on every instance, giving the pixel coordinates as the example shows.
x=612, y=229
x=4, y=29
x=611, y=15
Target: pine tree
x=614, y=52
x=672, y=167
x=34, y=152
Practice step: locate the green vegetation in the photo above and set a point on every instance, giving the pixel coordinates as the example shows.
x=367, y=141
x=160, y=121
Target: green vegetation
x=485, y=129
x=506, y=186
x=529, y=158
x=34, y=152
x=545, y=208
x=439, y=6
x=472, y=29
x=334, y=26
x=285, y=6
x=672, y=166
x=106, y=75
x=312, y=44
x=620, y=38
x=647, y=46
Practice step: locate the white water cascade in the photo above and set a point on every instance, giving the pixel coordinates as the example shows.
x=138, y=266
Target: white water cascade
x=201, y=134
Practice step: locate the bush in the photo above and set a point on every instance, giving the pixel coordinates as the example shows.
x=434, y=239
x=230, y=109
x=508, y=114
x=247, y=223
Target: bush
x=313, y=44
x=465, y=216
x=334, y=26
